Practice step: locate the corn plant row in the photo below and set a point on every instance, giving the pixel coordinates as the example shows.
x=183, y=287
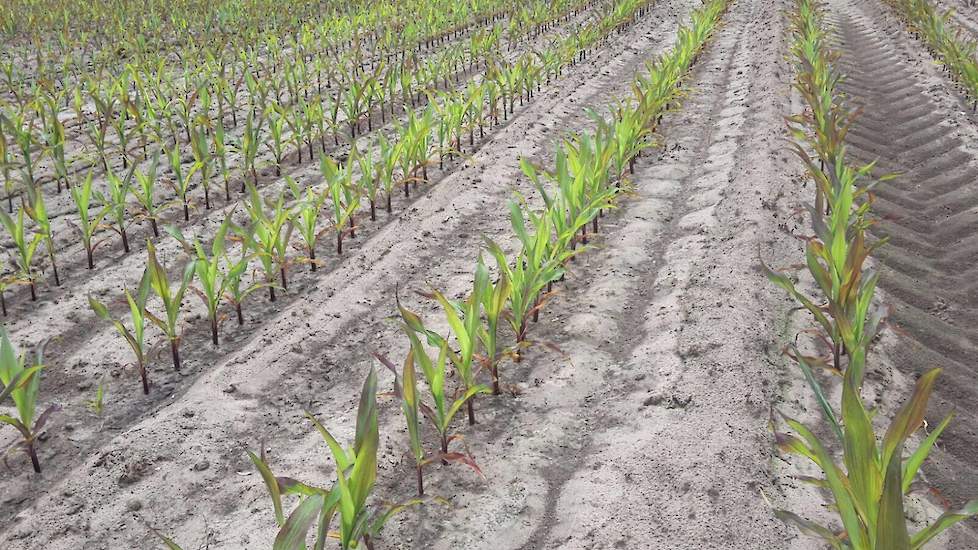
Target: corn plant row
x=144, y=102
x=138, y=109
x=591, y=170
x=138, y=33
x=449, y=116
x=957, y=53
x=266, y=240
x=220, y=277
x=868, y=487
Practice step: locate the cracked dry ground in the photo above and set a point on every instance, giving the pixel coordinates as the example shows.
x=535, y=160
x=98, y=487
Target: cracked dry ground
x=649, y=429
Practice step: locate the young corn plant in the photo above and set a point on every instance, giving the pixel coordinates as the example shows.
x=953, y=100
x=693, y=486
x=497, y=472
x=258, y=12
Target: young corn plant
x=200, y=146
x=181, y=181
x=494, y=300
x=116, y=203
x=235, y=268
x=36, y=209
x=446, y=406
x=369, y=178
x=172, y=299
x=89, y=219
x=466, y=325
x=221, y=146
x=869, y=486
x=22, y=384
x=304, y=217
x=344, y=195
x=145, y=194
x=135, y=337
x=413, y=407
x=536, y=267
x=208, y=270
x=250, y=140
x=268, y=236
x=6, y=164
x=356, y=474
x=276, y=127
x=26, y=248
x=387, y=162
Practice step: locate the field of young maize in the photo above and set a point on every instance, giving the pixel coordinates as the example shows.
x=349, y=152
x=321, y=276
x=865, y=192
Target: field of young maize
x=431, y=274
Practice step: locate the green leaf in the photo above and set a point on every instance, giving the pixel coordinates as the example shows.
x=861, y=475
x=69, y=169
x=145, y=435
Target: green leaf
x=272, y=485
x=946, y=520
x=293, y=534
x=891, y=524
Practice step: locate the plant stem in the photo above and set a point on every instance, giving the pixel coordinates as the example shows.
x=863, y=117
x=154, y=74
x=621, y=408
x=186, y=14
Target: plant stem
x=471, y=408
x=420, y=482
x=33, y=454
x=214, y=328
x=142, y=375
x=175, y=350
x=54, y=268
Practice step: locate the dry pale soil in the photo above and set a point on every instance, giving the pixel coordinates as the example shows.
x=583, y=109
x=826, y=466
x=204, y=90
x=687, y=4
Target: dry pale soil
x=645, y=421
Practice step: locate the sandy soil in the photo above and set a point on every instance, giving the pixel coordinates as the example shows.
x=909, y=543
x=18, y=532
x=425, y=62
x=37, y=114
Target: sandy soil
x=917, y=125
x=650, y=427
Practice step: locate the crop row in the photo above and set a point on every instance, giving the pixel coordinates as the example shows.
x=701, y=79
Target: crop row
x=267, y=238
x=957, y=54
x=44, y=51
x=448, y=115
x=301, y=86
x=868, y=486
x=589, y=174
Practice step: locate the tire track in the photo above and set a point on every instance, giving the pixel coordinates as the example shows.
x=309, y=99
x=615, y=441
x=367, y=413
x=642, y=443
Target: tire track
x=930, y=214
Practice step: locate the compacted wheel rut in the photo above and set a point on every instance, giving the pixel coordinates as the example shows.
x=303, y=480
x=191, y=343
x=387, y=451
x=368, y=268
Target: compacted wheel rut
x=912, y=128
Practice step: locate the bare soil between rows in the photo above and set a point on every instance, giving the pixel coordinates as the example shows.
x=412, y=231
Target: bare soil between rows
x=647, y=430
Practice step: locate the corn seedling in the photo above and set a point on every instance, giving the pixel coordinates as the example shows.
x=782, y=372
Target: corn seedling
x=89, y=220
x=26, y=247
x=207, y=267
x=369, y=178
x=36, y=209
x=356, y=474
x=138, y=315
x=868, y=488
x=386, y=163
x=181, y=181
x=22, y=384
x=494, y=300
x=345, y=197
x=236, y=290
x=268, y=236
x=445, y=406
x=200, y=146
x=250, y=140
x=6, y=164
x=465, y=323
x=221, y=145
x=97, y=403
x=276, y=127
x=172, y=299
x=116, y=203
x=145, y=195
x=304, y=217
